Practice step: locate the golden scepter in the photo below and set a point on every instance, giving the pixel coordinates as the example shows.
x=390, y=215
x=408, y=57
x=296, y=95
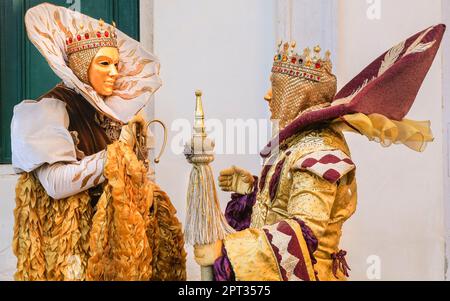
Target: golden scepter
x=205, y=223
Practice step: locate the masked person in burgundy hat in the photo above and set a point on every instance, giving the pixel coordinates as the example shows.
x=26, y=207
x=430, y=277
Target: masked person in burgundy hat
x=289, y=220
x=86, y=204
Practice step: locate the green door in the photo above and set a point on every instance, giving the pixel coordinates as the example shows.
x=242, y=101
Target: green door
x=24, y=73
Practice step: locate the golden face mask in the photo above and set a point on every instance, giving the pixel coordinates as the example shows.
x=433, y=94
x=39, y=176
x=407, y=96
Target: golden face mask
x=102, y=73
x=291, y=96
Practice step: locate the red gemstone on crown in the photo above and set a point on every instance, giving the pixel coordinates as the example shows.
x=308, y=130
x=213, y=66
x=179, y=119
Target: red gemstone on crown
x=99, y=35
x=86, y=36
x=318, y=65
x=293, y=60
x=70, y=40
x=106, y=34
x=79, y=38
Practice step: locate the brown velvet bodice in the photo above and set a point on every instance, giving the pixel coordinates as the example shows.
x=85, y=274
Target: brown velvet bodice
x=82, y=115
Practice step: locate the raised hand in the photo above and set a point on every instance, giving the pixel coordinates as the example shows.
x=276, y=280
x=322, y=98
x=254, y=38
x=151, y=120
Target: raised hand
x=236, y=179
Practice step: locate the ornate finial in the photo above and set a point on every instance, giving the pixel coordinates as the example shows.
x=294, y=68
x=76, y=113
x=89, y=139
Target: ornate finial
x=328, y=55
x=306, y=52
x=307, y=55
x=316, y=56
x=199, y=123
x=280, y=42
x=81, y=26
x=101, y=22
x=114, y=24
x=293, y=45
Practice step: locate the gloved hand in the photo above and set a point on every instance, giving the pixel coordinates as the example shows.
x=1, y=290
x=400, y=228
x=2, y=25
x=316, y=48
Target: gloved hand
x=127, y=135
x=236, y=179
x=128, y=132
x=206, y=255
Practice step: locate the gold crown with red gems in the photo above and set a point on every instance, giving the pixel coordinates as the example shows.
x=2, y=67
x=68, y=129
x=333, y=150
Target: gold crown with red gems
x=82, y=40
x=307, y=65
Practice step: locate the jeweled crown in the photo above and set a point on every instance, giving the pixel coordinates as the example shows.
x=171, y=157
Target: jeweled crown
x=307, y=65
x=89, y=38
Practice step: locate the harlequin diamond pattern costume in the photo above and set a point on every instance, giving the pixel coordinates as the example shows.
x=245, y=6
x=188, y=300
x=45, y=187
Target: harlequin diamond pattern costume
x=86, y=206
x=290, y=225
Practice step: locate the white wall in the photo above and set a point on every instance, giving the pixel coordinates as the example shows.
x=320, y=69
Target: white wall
x=225, y=49
x=400, y=213
x=7, y=204
x=446, y=127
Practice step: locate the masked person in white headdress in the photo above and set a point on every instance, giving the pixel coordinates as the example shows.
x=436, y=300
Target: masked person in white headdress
x=86, y=204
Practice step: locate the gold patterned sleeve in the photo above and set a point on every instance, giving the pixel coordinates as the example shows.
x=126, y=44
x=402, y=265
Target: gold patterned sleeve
x=311, y=200
x=283, y=251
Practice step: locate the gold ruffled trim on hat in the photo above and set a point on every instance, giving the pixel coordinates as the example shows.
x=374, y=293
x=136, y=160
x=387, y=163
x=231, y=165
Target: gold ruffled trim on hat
x=379, y=128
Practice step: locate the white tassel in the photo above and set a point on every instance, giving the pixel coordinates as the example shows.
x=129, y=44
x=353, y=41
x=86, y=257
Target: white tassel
x=205, y=223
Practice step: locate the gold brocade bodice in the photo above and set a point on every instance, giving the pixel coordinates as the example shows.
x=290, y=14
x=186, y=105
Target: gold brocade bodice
x=288, y=193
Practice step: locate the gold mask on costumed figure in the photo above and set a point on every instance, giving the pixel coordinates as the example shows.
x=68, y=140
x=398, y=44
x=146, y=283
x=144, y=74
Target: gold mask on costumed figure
x=300, y=83
x=103, y=72
x=94, y=59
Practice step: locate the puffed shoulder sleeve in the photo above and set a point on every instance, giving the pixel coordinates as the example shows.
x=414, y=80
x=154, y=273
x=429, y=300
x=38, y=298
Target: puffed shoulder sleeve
x=40, y=135
x=330, y=165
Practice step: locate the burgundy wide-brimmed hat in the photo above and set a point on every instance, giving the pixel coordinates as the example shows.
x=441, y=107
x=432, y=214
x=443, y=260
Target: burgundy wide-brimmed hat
x=388, y=86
